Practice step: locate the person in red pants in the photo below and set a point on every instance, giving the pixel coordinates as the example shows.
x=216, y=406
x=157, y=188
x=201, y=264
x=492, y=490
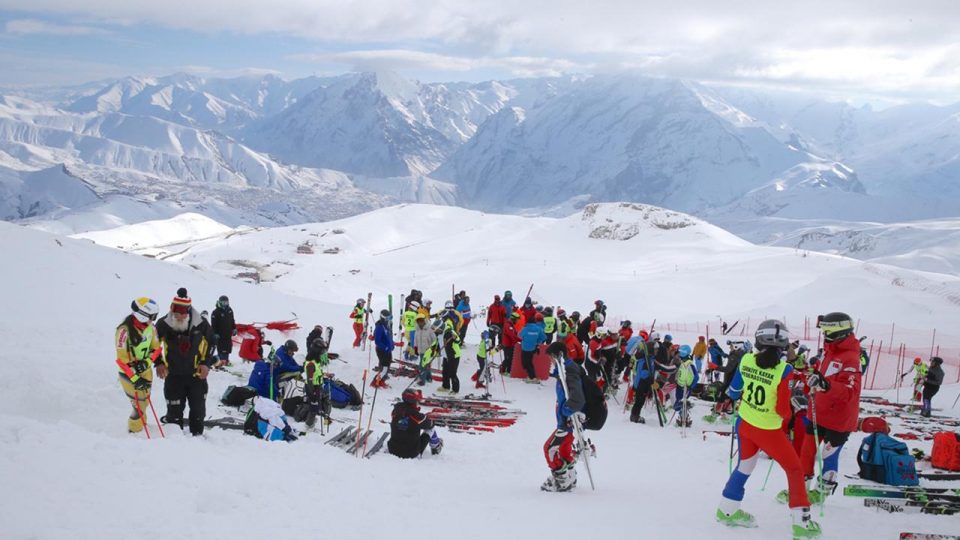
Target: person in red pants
x=558, y=449
x=762, y=385
x=357, y=315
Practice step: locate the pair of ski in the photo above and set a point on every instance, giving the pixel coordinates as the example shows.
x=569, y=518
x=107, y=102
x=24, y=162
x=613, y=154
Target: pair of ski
x=902, y=506
x=917, y=494
x=927, y=536
x=348, y=441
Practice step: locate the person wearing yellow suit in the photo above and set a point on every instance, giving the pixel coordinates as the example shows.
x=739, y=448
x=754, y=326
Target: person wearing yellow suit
x=137, y=346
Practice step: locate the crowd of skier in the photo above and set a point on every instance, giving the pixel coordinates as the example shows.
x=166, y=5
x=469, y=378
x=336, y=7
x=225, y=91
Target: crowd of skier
x=794, y=406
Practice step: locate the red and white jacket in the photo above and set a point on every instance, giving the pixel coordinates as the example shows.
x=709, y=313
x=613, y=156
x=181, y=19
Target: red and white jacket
x=839, y=407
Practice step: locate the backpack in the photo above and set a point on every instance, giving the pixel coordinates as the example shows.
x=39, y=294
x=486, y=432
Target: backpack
x=946, y=451
x=886, y=460
x=236, y=396
x=344, y=395
x=595, y=406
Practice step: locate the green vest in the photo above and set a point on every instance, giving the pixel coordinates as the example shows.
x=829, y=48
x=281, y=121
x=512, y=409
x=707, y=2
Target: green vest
x=142, y=350
x=758, y=401
x=358, y=315
x=427, y=356
x=482, y=349
x=549, y=323
x=409, y=320
x=318, y=366
x=685, y=374
x=455, y=343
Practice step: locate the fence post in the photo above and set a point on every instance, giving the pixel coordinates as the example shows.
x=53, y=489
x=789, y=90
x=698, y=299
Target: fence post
x=933, y=341
x=875, y=362
x=890, y=346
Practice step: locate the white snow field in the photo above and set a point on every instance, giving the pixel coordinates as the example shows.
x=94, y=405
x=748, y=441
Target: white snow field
x=70, y=470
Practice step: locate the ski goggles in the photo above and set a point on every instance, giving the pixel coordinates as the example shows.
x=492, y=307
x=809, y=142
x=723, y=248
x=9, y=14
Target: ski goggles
x=829, y=327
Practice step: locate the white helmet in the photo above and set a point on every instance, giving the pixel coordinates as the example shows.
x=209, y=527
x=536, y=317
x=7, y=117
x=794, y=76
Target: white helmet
x=428, y=302
x=361, y=301
x=144, y=309
x=448, y=304
x=735, y=344
x=602, y=331
x=654, y=336
x=414, y=304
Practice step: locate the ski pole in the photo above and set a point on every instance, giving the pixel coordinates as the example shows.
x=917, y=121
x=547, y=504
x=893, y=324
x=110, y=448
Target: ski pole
x=155, y=417
x=363, y=397
x=767, y=478
x=816, y=439
x=577, y=428
x=370, y=419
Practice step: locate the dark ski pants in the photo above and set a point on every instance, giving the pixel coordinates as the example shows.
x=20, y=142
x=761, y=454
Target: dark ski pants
x=526, y=358
x=406, y=452
x=384, y=358
x=481, y=362
x=181, y=390
x=507, y=359
x=593, y=369
x=640, y=396
x=449, y=370
x=549, y=338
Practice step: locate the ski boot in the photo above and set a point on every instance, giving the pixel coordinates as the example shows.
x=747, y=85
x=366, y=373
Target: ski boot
x=739, y=518
x=134, y=423
x=637, y=419
x=563, y=479
x=475, y=376
x=442, y=390
x=480, y=384
x=436, y=443
x=803, y=526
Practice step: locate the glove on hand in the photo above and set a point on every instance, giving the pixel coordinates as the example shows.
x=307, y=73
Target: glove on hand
x=817, y=383
x=139, y=366
x=141, y=385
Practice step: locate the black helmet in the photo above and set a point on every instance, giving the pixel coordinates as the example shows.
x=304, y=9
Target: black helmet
x=835, y=326
x=575, y=315
x=626, y=323
x=493, y=329
x=548, y=311
x=319, y=345
x=772, y=333
x=291, y=346
x=556, y=349
x=385, y=314
x=936, y=360
x=223, y=301
x=411, y=396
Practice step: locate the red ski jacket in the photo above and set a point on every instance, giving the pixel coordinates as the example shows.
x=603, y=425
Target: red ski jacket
x=496, y=314
x=510, y=337
x=574, y=348
x=839, y=407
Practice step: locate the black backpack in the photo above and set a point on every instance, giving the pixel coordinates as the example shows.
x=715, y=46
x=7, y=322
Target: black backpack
x=596, y=405
x=235, y=396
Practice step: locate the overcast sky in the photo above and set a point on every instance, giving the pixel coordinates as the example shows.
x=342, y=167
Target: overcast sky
x=858, y=49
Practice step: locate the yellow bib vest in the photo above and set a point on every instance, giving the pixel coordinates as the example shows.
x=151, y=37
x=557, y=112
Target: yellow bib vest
x=758, y=402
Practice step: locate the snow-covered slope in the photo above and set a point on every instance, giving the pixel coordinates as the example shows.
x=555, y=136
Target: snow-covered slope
x=71, y=435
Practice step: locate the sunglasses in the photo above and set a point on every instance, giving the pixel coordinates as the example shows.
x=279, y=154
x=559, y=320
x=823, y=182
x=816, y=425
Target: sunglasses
x=180, y=309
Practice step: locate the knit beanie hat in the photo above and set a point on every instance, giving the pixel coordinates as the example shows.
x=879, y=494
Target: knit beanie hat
x=182, y=301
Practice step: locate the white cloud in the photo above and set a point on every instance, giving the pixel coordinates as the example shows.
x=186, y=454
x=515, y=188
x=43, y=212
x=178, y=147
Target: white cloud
x=402, y=59
x=34, y=26
x=816, y=42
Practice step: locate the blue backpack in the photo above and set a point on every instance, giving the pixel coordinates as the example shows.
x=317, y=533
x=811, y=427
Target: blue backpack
x=886, y=460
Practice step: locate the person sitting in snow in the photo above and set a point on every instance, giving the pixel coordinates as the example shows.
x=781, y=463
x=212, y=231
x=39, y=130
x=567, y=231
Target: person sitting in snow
x=271, y=423
x=410, y=430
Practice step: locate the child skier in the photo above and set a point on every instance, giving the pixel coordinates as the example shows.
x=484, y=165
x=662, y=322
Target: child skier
x=558, y=450
x=762, y=383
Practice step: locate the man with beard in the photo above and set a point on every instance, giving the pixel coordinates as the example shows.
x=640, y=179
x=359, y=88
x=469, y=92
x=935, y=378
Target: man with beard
x=186, y=339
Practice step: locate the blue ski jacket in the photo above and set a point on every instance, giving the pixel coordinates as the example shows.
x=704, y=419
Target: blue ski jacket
x=531, y=336
x=382, y=336
x=716, y=354
x=287, y=363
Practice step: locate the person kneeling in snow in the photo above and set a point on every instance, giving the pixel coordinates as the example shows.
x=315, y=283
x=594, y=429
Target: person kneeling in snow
x=271, y=423
x=558, y=450
x=410, y=430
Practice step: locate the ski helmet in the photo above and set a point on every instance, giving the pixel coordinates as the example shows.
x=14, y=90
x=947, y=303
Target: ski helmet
x=556, y=349
x=144, y=309
x=291, y=346
x=685, y=351
x=515, y=315
x=448, y=304
x=385, y=314
x=548, y=311
x=735, y=344
x=668, y=337
x=361, y=301
x=508, y=294
x=835, y=326
x=575, y=315
x=414, y=304
x=936, y=360
x=493, y=329
x=802, y=349
x=204, y=314
x=538, y=317
x=598, y=303
x=485, y=334
x=917, y=361
x=428, y=302
x=319, y=344
x=561, y=312
x=411, y=396
x=654, y=336
x=602, y=331
x=626, y=324
x=223, y=301
x=772, y=333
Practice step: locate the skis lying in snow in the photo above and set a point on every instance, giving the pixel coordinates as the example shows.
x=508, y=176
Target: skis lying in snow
x=939, y=475
x=901, y=506
x=927, y=536
x=377, y=445
x=921, y=494
x=348, y=441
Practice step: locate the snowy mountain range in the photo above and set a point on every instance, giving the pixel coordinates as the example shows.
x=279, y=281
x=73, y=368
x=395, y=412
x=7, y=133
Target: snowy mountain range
x=265, y=151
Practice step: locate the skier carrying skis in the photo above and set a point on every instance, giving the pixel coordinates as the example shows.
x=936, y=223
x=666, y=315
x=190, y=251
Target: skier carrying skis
x=410, y=430
x=761, y=384
x=137, y=346
x=410, y=316
x=357, y=314
x=931, y=385
x=835, y=400
x=186, y=339
x=642, y=383
x=558, y=449
x=383, y=346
